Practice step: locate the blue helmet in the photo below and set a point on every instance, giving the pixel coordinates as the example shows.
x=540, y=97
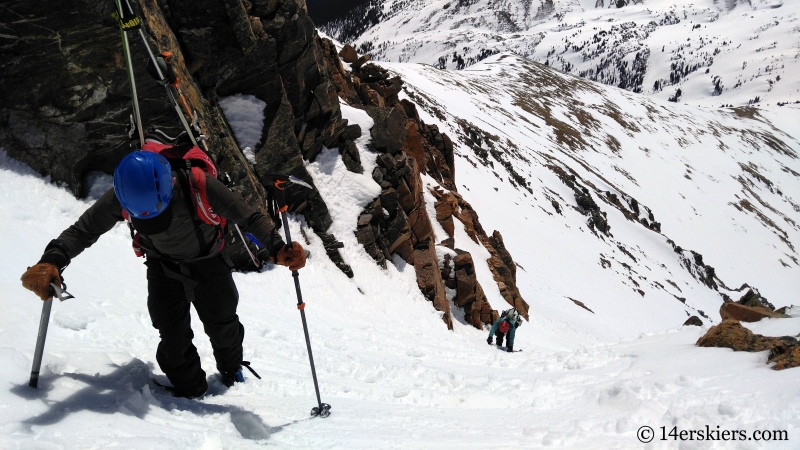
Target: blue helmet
x=143, y=184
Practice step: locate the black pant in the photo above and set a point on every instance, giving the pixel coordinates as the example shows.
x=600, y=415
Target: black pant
x=499, y=337
x=215, y=300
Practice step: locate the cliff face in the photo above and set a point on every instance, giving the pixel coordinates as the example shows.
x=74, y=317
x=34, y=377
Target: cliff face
x=64, y=97
x=65, y=111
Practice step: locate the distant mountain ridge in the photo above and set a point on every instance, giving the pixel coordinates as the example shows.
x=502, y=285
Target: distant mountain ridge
x=619, y=201
x=710, y=52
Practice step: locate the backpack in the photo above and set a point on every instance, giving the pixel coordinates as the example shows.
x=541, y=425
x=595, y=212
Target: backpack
x=510, y=316
x=504, y=326
x=194, y=163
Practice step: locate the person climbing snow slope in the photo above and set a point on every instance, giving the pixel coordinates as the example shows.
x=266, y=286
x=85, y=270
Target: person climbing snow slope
x=505, y=326
x=176, y=214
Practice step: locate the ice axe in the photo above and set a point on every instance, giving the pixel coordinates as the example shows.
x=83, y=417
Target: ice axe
x=279, y=184
x=59, y=292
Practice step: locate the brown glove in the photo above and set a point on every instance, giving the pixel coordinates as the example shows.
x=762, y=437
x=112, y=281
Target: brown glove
x=292, y=256
x=38, y=278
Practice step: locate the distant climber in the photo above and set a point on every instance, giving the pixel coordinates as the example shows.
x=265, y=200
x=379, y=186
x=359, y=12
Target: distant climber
x=505, y=327
x=176, y=214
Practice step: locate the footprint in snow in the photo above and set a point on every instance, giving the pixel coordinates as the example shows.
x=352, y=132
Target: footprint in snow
x=400, y=393
x=728, y=409
x=71, y=322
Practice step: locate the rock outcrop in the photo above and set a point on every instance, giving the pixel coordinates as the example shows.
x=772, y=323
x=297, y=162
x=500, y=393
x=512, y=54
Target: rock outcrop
x=451, y=206
x=751, y=307
x=753, y=299
x=459, y=275
x=744, y=313
x=693, y=321
x=784, y=351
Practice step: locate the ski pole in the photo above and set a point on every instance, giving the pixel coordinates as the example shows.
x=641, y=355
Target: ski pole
x=44, y=321
x=279, y=182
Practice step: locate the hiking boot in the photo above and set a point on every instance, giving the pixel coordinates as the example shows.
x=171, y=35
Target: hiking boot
x=228, y=378
x=190, y=393
x=236, y=376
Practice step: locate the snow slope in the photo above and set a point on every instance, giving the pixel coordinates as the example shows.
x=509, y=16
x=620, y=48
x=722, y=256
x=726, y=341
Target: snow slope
x=730, y=52
x=720, y=183
x=395, y=376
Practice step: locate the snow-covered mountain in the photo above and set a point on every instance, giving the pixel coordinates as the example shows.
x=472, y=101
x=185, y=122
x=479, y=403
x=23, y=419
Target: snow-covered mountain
x=704, y=52
x=551, y=160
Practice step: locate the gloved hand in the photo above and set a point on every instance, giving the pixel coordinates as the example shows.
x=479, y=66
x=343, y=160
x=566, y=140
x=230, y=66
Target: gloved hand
x=38, y=278
x=292, y=256
x=489, y=340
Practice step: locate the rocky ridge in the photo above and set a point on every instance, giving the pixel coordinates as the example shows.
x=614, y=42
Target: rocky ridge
x=396, y=222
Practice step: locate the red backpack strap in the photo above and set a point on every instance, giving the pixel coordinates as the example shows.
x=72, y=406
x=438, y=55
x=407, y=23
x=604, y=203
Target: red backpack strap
x=205, y=212
x=193, y=185
x=199, y=158
x=136, y=240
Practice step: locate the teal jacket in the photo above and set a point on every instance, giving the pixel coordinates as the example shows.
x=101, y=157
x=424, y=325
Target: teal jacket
x=512, y=329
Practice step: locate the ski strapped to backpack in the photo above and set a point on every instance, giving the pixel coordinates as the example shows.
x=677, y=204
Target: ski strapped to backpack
x=509, y=317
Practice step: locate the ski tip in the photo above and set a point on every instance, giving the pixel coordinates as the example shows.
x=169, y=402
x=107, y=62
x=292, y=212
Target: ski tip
x=296, y=180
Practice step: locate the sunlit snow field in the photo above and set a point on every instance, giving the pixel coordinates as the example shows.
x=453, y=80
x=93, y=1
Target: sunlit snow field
x=395, y=376
x=749, y=48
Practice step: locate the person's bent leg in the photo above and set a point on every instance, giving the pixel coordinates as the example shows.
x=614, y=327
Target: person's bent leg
x=499, y=335
x=169, y=312
x=216, y=300
x=510, y=338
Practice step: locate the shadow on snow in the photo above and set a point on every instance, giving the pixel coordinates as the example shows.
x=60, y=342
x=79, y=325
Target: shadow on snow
x=123, y=391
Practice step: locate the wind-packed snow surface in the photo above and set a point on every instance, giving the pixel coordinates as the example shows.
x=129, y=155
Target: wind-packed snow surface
x=715, y=52
x=395, y=376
